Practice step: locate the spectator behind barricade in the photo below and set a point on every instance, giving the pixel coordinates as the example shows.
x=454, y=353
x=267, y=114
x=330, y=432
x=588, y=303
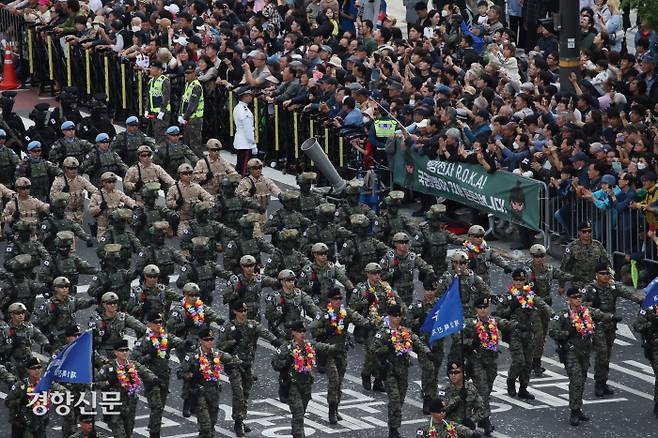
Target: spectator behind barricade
x=40, y=15
x=648, y=198
x=68, y=26
x=608, y=20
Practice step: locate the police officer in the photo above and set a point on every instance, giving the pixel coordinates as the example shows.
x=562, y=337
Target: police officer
x=202, y=269
x=480, y=255
x=109, y=324
x=127, y=143
x=40, y=172
x=246, y=286
x=158, y=109
x=107, y=200
x=399, y=265
x=72, y=183
x=319, y=277
x=245, y=244
x=183, y=193
x=435, y=240
x=244, y=141
x=22, y=205
x=581, y=256
x=287, y=304
x=172, y=153
x=190, y=113
x=69, y=145
x=101, y=159
x=212, y=169
x=143, y=172
x=17, y=337
x=257, y=187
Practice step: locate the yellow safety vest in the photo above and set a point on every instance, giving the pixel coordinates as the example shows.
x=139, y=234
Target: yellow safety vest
x=155, y=94
x=385, y=128
x=189, y=87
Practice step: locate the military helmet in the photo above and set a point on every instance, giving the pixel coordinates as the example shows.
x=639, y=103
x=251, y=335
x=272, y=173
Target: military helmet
x=373, y=267
x=185, y=167
x=231, y=180
x=326, y=209
x=159, y=227
x=23, y=225
x=254, y=163
x=71, y=162
x=144, y=148
x=394, y=197
x=109, y=297
x=359, y=220
x=288, y=234
x=286, y=274
x=16, y=308
x=289, y=196
x=249, y=219
x=400, y=237
x=61, y=282
x=60, y=199
x=213, y=144
x=191, y=288
x=151, y=188
x=459, y=256
x=354, y=187
x=307, y=178
x=247, y=260
x=22, y=261
x=200, y=242
x=319, y=247
x=112, y=250
x=476, y=230
x=122, y=214
x=64, y=239
x=435, y=211
x=151, y=271
x=537, y=250
x=109, y=177
x=202, y=206
x=23, y=182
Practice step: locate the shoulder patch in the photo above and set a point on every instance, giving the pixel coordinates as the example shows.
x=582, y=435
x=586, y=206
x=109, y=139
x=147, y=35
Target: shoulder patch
x=378, y=335
x=183, y=268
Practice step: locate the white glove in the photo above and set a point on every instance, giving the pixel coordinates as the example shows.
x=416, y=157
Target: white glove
x=146, y=114
x=254, y=151
x=160, y=115
x=181, y=120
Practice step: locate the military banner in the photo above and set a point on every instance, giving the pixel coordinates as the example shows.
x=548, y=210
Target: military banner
x=504, y=194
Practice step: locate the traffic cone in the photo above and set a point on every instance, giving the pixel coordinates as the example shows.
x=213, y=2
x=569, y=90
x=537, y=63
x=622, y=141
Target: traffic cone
x=9, y=81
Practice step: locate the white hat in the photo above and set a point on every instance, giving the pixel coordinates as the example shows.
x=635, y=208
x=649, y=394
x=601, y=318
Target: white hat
x=173, y=8
x=422, y=124
x=182, y=40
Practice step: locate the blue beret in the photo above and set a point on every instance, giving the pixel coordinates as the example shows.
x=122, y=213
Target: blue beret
x=132, y=120
x=173, y=130
x=33, y=145
x=68, y=125
x=102, y=137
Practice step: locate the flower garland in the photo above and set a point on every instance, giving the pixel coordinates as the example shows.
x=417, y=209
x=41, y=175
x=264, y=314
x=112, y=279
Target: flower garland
x=337, y=320
x=450, y=429
x=304, y=362
x=37, y=401
x=210, y=375
x=374, y=307
x=487, y=333
x=197, y=312
x=401, y=341
x=526, y=298
x=130, y=380
x=159, y=341
x=474, y=249
x=582, y=321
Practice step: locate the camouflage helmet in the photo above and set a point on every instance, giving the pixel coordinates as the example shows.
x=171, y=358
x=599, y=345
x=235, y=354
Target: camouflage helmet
x=108, y=177
x=60, y=199
x=436, y=211
x=21, y=262
x=476, y=230
x=394, y=197
x=286, y=274
x=159, y=227
x=16, y=308
x=64, y=239
x=359, y=220
x=122, y=214
x=248, y=220
x=254, y=163
x=354, y=187
x=23, y=225
x=191, y=288
x=326, y=209
x=231, y=180
x=23, y=182
x=201, y=207
x=537, y=250
x=288, y=234
x=319, y=247
x=112, y=250
x=247, y=260
x=459, y=256
x=151, y=188
x=185, y=167
x=289, y=196
x=200, y=242
x=373, y=267
x=71, y=162
x=144, y=148
x=61, y=282
x=307, y=178
x=400, y=237
x=151, y=271
x=109, y=297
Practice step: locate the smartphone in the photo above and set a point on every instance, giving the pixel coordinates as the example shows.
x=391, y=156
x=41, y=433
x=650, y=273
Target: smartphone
x=376, y=74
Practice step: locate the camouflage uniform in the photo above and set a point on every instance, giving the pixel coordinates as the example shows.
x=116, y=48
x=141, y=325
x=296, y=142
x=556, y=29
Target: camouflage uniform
x=126, y=144
x=57, y=221
x=158, y=253
x=283, y=307
x=229, y=207
x=245, y=244
x=25, y=423
x=19, y=284
x=391, y=221
x=323, y=229
x=308, y=201
x=180, y=198
x=69, y=147
x=105, y=202
x=75, y=187
x=218, y=233
x=141, y=174
x=360, y=250
x=171, y=155
x=286, y=256
x=259, y=190
x=16, y=341
x=440, y=430
x=55, y=315
x=118, y=233
x=150, y=213
x=248, y=290
x=41, y=174
x=580, y=259
x=398, y=269
x=647, y=325
x=23, y=244
x=431, y=364
x=23, y=208
x=209, y=173
x=345, y=212
x=65, y=264
x=287, y=217
x=98, y=161
x=480, y=262
x=144, y=300
x=8, y=162
x=108, y=330
x=181, y=324
x=435, y=240
x=316, y=280
x=202, y=270
x=111, y=278
x=463, y=404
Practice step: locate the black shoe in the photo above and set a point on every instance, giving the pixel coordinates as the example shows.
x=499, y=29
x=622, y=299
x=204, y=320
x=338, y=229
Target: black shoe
x=365, y=381
x=187, y=408
x=574, y=419
x=582, y=416
x=487, y=426
x=524, y=394
x=245, y=427
x=537, y=369
x=338, y=416
x=511, y=387
x=426, y=406
x=393, y=433
x=598, y=389
x=333, y=410
x=378, y=386
x=238, y=428
x=606, y=389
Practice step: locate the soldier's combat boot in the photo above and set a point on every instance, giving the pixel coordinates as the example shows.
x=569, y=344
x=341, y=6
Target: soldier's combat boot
x=426, y=405
x=655, y=409
x=246, y=428
x=606, y=389
x=393, y=433
x=511, y=387
x=333, y=411
x=487, y=426
x=378, y=386
x=582, y=416
x=187, y=408
x=524, y=394
x=598, y=389
x=238, y=428
x=537, y=369
x=574, y=419
x=365, y=381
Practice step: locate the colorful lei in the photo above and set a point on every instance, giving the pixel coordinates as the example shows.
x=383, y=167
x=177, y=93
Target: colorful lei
x=582, y=321
x=526, y=298
x=37, y=401
x=390, y=300
x=304, y=362
x=450, y=428
x=337, y=320
x=401, y=340
x=130, y=380
x=487, y=333
x=197, y=312
x=159, y=341
x=474, y=249
x=210, y=375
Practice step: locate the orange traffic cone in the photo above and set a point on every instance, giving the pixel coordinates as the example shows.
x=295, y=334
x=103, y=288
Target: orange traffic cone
x=9, y=81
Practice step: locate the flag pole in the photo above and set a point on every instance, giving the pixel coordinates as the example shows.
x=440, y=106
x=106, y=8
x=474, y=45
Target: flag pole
x=93, y=375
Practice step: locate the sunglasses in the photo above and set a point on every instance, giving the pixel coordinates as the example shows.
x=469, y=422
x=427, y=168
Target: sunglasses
x=22, y=312
x=249, y=266
x=518, y=279
x=337, y=298
x=538, y=256
x=187, y=172
x=112, y=181
x=257, y=167
x=36, y=151
x=147, y=154
x=477, y=236
x=463, y=263
x=604, y=273
x=321, y=253
x=104, y=141
x=71, y=168
x=240, y=310
x=210, y=339
x=455, y=372
x=576, y=297
x=213, y=149
x=191, y=295
x=123, y=350
x=157, y=321
x=586, y=231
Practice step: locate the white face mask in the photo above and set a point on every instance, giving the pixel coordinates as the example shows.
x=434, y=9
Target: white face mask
x=136, y=28
x=444, y=13
x=641, y=165
x=515, y=145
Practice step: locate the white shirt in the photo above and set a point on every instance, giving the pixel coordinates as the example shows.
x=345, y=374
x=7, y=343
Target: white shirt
x=244, y=127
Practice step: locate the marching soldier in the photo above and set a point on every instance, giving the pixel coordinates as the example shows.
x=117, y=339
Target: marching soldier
x=581, y=256
x=295, y=362
x=462, y=401
x=439, y=427
x=573, y=331
x=390, y=222
x=308, y=201
x=331, y=327
x=212, y=169
x=8, y=162
x=119, y=233
x=101, y=159
x=398, y=267
x=69, y=145
x=203, y=226
x=287, y=304
x=229, y=207
x=28, y=416
x=128, y=142
x=16, y=339
x=151, y=296
x=58, y=222
x=172, y=153
x=158, y=109
x=319, y=277
x=144, y=171
x=361, y=249
x=286, y=256
x=87, y=429
x=183, y=193
x=202, y=269
x=58, y=312
x=239, y=337
x=647, y=325
x=109, y=325
x=5, y=195
x=201, y=370
x=39, y=171
x=391, y=346
x=19, y=284
x=435, y=240
x=106, y=201
x=22, y=205
x=287, y=217
x=165, y=256
x=151, y=213
x=246, y=244
x=112, y=277
x=153, y=350
x=323, y=229
x=471, y=285
x=259, y=188
x=128, y=378
x=72, y=183
x=352, y=195
x=481, y=256
x=603, y=294
x=23, y=244
x=246, y=287
x=190, y=114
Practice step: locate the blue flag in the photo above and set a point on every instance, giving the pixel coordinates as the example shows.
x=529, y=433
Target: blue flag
x=651, y=297
x=447, y=316
x=71, y=364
